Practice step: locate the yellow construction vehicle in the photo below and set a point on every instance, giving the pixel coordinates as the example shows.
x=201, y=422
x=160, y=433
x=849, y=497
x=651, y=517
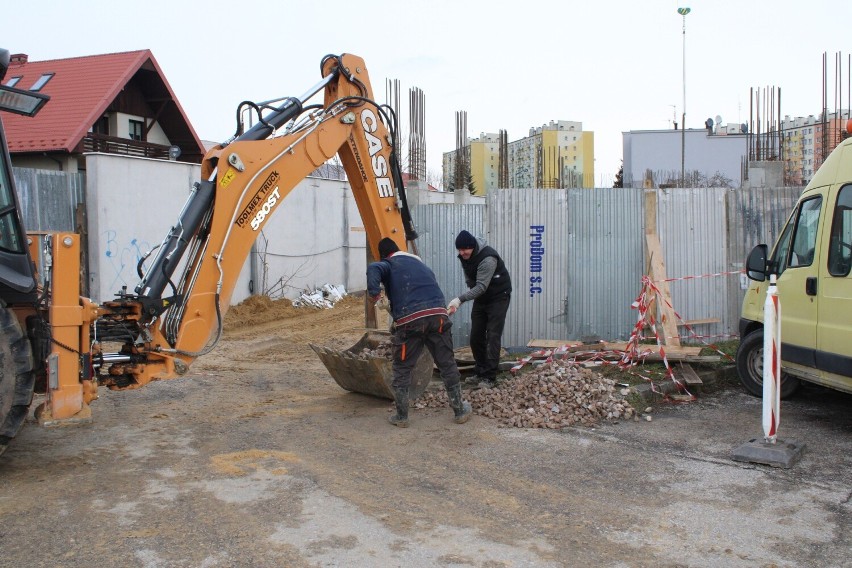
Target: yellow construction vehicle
x=55, y=341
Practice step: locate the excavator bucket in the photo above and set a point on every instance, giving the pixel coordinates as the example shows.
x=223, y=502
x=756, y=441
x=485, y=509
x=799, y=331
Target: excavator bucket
x=370, y=374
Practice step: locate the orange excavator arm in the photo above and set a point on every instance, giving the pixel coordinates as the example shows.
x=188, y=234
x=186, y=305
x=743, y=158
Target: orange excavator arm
x=179, y=305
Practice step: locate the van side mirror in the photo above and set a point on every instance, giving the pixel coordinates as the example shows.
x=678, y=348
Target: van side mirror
x=756, y=263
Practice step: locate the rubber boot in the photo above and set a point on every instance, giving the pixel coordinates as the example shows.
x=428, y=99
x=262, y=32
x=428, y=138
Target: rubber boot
x=461, y=408
x=400, y=399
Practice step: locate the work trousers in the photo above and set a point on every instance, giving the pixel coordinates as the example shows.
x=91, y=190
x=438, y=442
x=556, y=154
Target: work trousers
x=487, y=319
x=409, y=339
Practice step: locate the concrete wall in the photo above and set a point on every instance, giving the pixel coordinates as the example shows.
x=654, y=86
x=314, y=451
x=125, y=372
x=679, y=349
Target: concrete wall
x=131, y=204
x=765, y=174
x=315, y=237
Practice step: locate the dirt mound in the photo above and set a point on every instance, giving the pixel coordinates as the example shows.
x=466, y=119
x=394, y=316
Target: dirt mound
x=257, y=310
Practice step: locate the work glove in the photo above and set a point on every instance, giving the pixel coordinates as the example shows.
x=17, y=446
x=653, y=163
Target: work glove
x=454, y=305
x=383, y=304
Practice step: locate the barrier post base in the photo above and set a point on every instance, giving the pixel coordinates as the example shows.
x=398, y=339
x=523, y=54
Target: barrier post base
x=783, y=453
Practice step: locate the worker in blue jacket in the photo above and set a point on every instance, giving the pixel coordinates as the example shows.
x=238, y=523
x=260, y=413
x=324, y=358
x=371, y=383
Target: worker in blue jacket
x=420, y=319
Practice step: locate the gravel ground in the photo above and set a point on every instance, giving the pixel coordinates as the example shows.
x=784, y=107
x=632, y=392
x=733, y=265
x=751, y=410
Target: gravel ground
x=257, y=458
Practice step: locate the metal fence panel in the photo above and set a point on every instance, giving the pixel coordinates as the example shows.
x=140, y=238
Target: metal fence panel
x=574, y=258
x=605, y=273
x=49, y=199
x=527, y=227
x=755, y=216
x=438, y=226
x=691, y=224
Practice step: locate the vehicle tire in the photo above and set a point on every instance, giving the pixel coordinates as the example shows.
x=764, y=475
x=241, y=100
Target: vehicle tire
x=750, y=367
x=16, y=377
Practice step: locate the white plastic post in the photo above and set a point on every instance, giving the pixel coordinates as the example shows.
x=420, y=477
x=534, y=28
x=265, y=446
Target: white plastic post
x=771, y=362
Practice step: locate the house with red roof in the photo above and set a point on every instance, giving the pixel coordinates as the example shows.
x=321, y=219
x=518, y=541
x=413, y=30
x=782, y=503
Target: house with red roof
x=116, y=103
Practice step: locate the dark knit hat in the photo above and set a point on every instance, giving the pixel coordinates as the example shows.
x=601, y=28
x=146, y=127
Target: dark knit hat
x=387, y=247
x=465, y=241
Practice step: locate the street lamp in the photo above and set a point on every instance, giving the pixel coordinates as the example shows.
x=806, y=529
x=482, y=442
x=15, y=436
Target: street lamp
x=683, y=12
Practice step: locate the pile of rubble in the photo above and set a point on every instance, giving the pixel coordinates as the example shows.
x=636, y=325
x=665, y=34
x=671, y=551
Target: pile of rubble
x=554, y=395
x=323, y=297
x=383, y=349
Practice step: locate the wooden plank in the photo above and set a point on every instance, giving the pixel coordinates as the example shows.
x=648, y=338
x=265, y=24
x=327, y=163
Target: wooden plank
x=650, y=208
x=681, y=397
x=655, y=357
x=658, y=275
x=688, y=374
x=680, y=350
x=691, y=323
x=650, y=358
x=650, y=194
x=552, y=343
x=371, y=312
x=573, y=346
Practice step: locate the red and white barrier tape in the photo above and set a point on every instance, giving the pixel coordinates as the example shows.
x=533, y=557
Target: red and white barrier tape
x=702, y=276
x=632, y=354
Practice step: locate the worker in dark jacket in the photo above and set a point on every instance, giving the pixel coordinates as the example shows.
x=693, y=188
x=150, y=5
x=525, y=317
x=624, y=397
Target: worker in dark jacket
x=420, y=319
x=490, y=288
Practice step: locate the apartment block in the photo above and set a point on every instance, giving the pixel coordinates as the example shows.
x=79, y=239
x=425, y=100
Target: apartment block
x=556, y=155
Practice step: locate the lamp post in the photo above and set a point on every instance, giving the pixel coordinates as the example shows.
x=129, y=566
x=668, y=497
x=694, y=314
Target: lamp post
x=683, y=12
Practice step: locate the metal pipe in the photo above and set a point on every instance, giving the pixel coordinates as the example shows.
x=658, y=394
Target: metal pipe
x=112, y=358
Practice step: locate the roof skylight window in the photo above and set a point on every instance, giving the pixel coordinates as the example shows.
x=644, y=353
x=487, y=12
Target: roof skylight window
x=42, y=81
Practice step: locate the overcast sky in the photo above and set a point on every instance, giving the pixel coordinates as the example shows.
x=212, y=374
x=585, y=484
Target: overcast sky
x=614, y=66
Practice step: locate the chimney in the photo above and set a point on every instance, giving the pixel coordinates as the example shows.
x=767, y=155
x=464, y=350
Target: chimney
x=18, y=59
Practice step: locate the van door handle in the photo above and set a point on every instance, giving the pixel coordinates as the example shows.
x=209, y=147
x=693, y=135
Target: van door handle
x=811, y=286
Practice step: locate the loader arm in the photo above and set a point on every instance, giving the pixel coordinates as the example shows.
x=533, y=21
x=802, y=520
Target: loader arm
x=245, y=182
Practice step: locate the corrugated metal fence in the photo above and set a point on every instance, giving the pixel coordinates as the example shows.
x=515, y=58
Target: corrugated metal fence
x=754, y=216
x=438, y=226
x=49, y=200
x=576, y=256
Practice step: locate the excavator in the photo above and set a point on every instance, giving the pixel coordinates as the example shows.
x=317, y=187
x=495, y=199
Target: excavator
x=55, y=341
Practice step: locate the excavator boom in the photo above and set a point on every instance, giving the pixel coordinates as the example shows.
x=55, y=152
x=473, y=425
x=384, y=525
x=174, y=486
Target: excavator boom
x=175, y=313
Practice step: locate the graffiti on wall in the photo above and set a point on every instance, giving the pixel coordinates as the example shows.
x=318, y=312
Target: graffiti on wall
x=123, y=257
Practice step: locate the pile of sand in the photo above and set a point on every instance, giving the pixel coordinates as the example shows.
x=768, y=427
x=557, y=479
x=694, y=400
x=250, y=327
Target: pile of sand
x=257, y=310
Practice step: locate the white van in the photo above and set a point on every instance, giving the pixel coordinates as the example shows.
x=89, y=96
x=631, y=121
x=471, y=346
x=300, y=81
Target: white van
x=812, y=258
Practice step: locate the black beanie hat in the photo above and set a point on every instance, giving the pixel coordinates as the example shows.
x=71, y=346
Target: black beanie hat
x=465, y=241
x=387, y=247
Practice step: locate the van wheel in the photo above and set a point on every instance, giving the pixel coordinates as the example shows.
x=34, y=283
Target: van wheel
x=16, y=377
x=750, y=367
